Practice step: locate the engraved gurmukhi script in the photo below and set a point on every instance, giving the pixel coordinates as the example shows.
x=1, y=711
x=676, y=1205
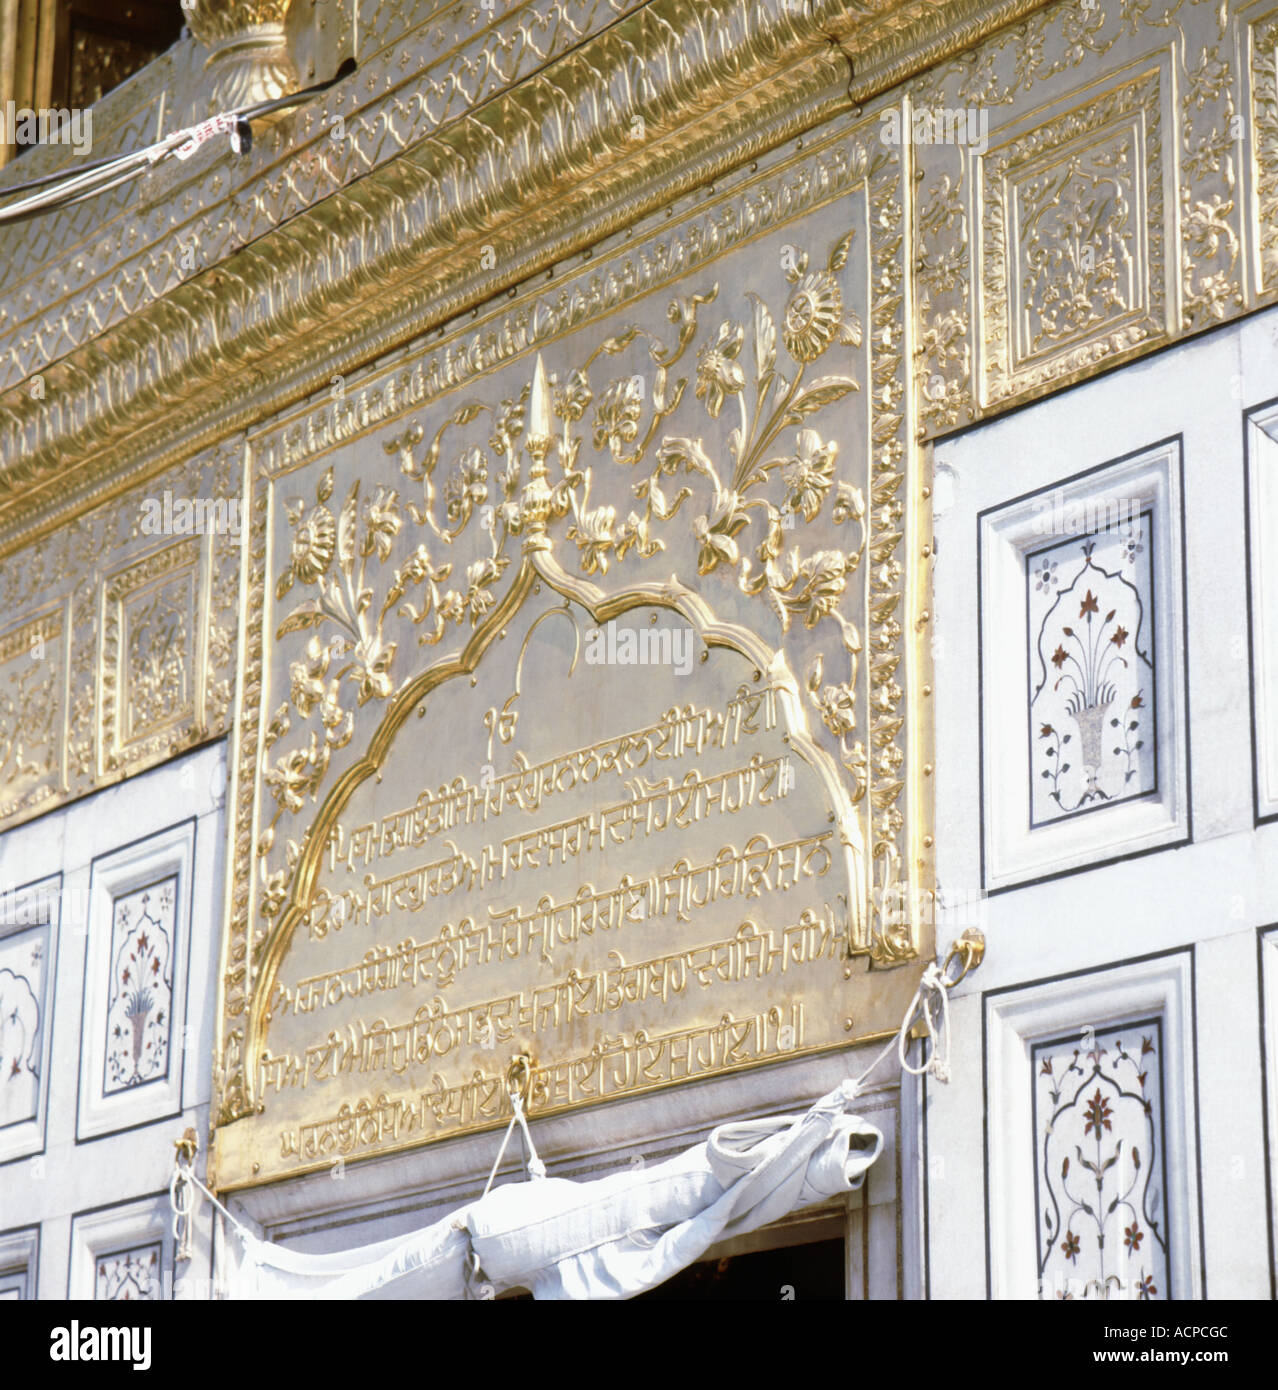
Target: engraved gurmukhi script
x=636, y=876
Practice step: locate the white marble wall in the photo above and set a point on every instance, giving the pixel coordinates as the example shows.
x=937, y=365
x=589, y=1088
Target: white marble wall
x=1197, y=899
x=90, y=1177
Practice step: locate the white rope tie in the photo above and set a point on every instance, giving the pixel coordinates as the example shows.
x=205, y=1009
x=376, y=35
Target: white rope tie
x=477, y=1285
x=187, y=1175
x=932, y=987
x=536, y=1168
x=182, y=1201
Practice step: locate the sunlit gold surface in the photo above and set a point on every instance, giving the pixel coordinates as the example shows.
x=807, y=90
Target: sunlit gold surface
x=328, y=306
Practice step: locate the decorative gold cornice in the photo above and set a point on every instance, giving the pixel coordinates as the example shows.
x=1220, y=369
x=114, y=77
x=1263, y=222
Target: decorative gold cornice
x=514, y=172
x=536, y=173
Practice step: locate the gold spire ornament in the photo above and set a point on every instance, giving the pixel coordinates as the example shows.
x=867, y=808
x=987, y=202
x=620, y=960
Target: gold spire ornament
x=539, y=427
x=538, y=503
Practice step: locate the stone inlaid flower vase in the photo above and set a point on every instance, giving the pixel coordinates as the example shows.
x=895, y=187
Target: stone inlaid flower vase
x=1091, y=721
x=139, y=1011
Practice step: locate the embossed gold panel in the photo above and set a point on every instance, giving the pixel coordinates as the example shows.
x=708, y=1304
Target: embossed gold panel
x=1106, y=216
x=1074, y=224
x=34, y=667
x=638, y=873
x=468, y=824
x=1259, y=55
x=151, y=648
x=125, y=650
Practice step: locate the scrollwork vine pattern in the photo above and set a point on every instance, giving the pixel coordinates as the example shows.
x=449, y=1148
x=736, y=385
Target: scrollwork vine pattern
x=361, y=599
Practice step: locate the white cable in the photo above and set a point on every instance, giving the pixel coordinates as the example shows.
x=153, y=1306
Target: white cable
x=63, y=190
x=76, y=187
x=501, y=1153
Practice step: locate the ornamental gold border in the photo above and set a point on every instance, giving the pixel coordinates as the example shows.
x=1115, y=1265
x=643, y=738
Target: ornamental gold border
x=539, y=170
x=1260, y=66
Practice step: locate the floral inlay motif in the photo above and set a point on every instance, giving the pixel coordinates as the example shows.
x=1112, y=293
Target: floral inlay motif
x=1091, y=670
x=128, y=1274
x=23, y=967
x=1100, y=1174
x=139, y=1016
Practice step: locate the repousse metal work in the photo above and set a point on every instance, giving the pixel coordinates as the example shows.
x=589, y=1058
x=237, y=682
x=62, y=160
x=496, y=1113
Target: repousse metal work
x=672, y=465
x=694, y=177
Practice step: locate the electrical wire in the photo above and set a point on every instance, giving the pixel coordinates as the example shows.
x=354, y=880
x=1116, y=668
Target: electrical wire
x=65, y=188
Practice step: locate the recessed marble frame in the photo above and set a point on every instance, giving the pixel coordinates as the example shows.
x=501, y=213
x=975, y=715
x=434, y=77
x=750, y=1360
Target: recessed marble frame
x=122, y=1252
x=1260, y=454
x=132, y=1041
x=1083, y=685
x=19, y=1263
x=29, y=919
x=1147, y=1005
x=1267, y=971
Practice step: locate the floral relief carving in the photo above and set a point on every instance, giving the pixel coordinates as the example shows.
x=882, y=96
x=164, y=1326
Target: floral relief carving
x=150, y=655
x=943, y=351
x=1264, y=122
x=1073, y=236
x=32, y=674
x=1080, y=254
x=1210, y=246
x=779, y=470
x=160, y=671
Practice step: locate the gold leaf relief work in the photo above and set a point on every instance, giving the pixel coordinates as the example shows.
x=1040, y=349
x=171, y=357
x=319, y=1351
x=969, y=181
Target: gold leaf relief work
x=743, y=504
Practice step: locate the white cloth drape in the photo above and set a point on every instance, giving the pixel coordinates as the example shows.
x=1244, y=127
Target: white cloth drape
x=611, y=1238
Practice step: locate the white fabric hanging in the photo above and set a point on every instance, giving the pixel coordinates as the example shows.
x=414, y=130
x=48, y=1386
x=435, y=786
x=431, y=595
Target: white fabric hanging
x=617, y=1236
x=610, y=1238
